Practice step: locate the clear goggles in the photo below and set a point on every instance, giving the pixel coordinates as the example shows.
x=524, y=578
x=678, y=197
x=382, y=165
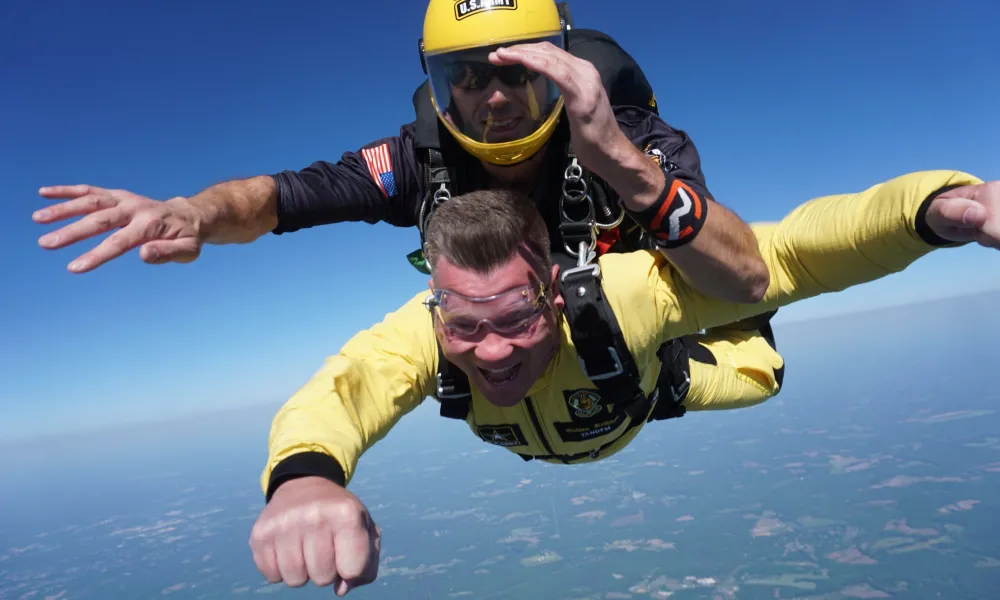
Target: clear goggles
x=512, y=313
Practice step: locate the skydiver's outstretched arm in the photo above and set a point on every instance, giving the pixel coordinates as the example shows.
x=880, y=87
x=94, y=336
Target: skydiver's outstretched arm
x=355, y=398
x=738, y=365
x=831, y=243
x=312, y=527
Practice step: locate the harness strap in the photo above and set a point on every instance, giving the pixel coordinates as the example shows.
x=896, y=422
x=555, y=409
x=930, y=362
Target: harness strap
x=452, y=390
x=437, y=180
x=674, y=381
x=585, y=206
x=599, y=342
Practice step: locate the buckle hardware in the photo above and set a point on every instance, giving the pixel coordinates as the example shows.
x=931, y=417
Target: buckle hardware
x=448, y=392
x=618, y=369
x=593, y=268
x=681, y=390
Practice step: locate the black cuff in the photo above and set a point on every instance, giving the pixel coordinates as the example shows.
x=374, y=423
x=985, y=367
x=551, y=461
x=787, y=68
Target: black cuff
x=305, y=464
x=923, y=229
x=284, y=191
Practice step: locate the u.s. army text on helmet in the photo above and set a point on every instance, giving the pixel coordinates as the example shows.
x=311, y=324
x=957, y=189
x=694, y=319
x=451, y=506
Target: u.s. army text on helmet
x=467, y=8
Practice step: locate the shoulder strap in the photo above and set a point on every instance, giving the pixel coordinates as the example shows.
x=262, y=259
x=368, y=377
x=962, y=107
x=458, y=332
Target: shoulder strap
x=452, y=390
x=598, y=339
x=565, y=15
x=438, y=178
x=425, y=132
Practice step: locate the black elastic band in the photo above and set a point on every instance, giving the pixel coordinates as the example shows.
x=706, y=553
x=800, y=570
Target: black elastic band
x=305, y=464
x=923, y=229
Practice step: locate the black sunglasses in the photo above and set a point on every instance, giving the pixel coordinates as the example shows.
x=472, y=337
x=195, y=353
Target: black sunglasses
x=476, y=75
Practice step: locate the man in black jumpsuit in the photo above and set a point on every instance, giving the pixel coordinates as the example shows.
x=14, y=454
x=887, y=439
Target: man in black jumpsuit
x=384, y=180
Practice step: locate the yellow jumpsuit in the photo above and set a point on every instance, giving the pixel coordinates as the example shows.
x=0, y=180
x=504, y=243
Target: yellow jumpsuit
x=825, y=245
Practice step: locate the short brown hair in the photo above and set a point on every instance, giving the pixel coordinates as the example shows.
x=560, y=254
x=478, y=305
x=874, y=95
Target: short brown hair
x=482, y=230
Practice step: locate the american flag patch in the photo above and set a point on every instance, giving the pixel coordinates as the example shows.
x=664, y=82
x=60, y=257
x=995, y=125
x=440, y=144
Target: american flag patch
x=380, y=166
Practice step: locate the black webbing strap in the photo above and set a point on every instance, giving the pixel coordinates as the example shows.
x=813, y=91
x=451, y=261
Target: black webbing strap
x=674, y=381
x=598, y=340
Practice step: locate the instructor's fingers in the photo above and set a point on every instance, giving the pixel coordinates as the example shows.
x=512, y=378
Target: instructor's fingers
x=546, y=59
x=85, y=204
x=89, y=226
x=158, y=252
x=68, y=191
x=112, y=247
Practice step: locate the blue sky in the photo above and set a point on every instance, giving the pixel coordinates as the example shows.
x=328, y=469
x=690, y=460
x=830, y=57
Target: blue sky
x=785, y=100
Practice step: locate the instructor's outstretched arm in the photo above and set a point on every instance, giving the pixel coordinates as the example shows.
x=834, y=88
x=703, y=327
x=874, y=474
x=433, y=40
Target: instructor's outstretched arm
x=233, y=212
x=174, y=230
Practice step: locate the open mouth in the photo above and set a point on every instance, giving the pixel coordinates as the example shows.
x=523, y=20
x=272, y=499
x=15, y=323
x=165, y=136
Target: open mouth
x=500, y=377
x=501, y=126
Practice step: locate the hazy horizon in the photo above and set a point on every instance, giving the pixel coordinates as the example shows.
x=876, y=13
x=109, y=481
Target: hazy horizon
x=783, y=331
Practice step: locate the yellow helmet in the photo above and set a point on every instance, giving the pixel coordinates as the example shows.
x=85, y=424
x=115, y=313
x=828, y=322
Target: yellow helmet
x=501, y=115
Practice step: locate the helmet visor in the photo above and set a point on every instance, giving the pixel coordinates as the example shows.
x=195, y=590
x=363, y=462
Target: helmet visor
x=491, y=104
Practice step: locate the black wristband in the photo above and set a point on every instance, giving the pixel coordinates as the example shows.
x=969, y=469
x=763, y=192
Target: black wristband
x=920, y=222
x=677, y=217
x=305, y=464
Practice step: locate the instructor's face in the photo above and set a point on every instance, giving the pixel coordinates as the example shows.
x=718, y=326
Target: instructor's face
x=501, y=329
x=498, y=109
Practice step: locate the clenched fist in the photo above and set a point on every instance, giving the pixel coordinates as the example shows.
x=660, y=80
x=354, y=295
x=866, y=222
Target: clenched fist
x=313, y=529
x=970, y=213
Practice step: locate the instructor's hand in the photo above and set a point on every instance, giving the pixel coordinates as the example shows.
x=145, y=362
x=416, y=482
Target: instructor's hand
x=168, y=231
x=592, y=121
x=313, y=529
x=970, y=213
